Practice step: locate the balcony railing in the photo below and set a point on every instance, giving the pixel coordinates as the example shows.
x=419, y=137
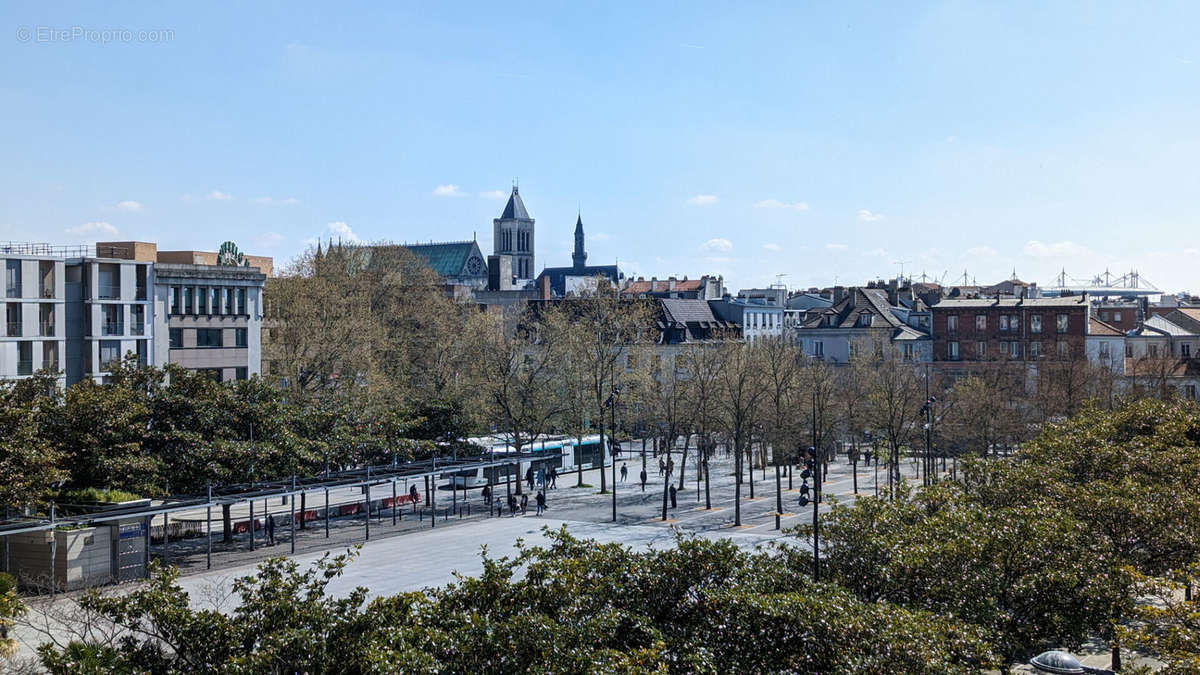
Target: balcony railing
x=13, y=328
x=24, y=367
x=137, y=328
x=47, y=328
x=110, y=328
x=47, y=293
x=107, y=292
x=12, y=291
x=140, y=293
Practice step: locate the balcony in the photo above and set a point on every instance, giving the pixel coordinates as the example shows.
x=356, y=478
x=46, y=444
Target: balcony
x=46, y=328
x=25, y=367
x=112, y=328
x=13, y=328
x=140, y=293
x=108, y=292
x=47, y=293
x=12, y=291
x=137, y=328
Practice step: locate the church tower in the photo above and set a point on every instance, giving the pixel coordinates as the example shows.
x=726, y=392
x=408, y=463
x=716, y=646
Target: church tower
x=579, y=257
x=513, y=236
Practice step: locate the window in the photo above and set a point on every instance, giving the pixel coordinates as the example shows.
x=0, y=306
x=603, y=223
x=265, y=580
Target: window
x=140, y=281
x=1004, y=348
x=908, y=352
x=1153, y=350
x=46, y=279
x=12, y=319
x=208, y=337
x=818, y=348
x=50, y=355
x=241, y=301
x=142, y=352
x=1116, y=317
x=110, y=353
x=1035, y=323
x=111, y=320
x=981, y=322
x=1185, y=351
x=202, y=297
x=213, y=374
x=952, y=323
x=109, y=276
x=1014, y=323
x=24, y=358
x=1062, y=323
x=1064, y=349
x=1128, y=351
x=1102, y=349
x=1015, y=351
x=1035, y=350
x=240, y=373
x=980, y=350
x=1104, y=316
x=46, y=320
x=175, y=296
x=176, y=338
x=1189, y=392
x=864, y=320
x=1003, y=322
x=187, y=300
x=12, y=278
x=952, y=351
x=137, y=319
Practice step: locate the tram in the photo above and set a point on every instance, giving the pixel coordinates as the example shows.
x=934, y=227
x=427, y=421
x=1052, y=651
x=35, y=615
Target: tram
x=562, y=453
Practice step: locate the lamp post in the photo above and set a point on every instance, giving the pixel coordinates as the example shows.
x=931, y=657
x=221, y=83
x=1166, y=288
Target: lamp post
x=612, y=406
x=812, y=470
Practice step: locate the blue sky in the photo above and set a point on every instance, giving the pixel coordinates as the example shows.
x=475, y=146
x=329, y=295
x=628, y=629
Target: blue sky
x=824, y=141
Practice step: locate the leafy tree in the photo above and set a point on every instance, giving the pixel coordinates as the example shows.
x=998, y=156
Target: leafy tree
x=1167, y=622
x=11, y=607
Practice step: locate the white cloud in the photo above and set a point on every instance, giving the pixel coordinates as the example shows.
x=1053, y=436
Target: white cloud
x=836, y=247
x=876, y=253
x=718, y=244
x=269, y=201
x=343, y=231
x=130, y=206
x=981, y=252
x=772, y=247
x=269, y=239
x=776, y=204
x=599, y=236
x=493, y=194
x=92, y=228
x=868, y=216
x=1037, y=249
x=217, y=195
x=703, y=200
x=448, y=190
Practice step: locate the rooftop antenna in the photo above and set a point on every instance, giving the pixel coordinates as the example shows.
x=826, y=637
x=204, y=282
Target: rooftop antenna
x=901, y=263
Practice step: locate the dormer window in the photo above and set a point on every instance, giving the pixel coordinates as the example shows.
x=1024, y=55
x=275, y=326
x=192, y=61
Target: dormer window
x=864, y=320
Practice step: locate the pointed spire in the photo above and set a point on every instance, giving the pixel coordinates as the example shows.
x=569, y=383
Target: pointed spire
x=579, y=257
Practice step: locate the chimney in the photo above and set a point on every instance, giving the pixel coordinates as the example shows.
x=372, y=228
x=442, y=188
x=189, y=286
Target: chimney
x=670, y=283
x=544, y=287
x=839, y=293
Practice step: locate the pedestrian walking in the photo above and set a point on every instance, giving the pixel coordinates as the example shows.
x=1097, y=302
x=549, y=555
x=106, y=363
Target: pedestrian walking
x=670, y=467
x=524, y=503
x=487, y=494
x=541, y=502
x=271, y=528
x=512, y=505
x=414, y=494
x=672, y=491
x=554, y=477
x=529, y=477
x=643, y=477
x=624, y=472
x=662, y=467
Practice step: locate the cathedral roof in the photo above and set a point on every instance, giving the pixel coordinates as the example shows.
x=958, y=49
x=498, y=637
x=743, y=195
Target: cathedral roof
x=448, y=258
x=515, y=209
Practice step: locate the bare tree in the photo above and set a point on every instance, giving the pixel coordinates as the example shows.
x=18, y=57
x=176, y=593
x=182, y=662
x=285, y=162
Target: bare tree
x=742, y=389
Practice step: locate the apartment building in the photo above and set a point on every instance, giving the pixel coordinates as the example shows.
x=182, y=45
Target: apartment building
x=34, y=329
x=108, y=312
x=211, y=317
x=998, y=329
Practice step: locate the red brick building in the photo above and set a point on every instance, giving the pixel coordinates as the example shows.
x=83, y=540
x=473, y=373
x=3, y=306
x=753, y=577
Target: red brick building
x=1010, y=329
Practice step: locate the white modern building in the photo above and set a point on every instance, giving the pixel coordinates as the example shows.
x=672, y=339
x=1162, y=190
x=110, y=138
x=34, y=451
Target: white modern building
x=34, y=329
x=108, y=314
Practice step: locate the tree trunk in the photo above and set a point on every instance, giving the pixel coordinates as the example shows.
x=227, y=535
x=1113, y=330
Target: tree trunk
x=683, y=459
x=227, y=522
x=603, y=451
x=737, y=484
